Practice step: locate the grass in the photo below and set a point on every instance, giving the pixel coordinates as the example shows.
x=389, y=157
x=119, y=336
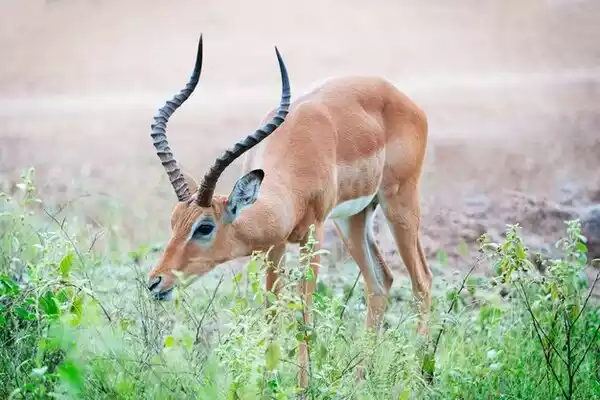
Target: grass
x=78, y=324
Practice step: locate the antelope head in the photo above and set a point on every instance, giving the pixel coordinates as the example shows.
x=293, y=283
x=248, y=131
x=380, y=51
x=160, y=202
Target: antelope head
x=203, y=224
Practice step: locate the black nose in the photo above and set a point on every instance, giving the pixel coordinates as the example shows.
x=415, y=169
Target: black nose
x=154, y=282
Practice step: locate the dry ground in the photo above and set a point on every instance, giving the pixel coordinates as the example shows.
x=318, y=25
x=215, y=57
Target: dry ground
x=511, y=89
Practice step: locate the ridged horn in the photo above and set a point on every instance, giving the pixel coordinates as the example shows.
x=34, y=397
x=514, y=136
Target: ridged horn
x=207, y=187
x=159, y=127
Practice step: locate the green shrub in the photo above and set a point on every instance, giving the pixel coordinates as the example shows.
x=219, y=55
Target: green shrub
x=78, y=325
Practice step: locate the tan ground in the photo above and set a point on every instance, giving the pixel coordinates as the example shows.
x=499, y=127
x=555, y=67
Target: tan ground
x=511, y=89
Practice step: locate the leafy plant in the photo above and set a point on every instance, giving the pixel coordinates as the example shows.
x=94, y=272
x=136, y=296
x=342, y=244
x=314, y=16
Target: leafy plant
x=74, y=324
x=556, y=302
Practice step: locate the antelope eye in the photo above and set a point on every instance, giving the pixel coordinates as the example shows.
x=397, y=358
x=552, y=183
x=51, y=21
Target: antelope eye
x=203, y=230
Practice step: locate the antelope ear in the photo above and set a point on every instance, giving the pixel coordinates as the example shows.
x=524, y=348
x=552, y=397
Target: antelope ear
x=191, y=182
x=244, y=193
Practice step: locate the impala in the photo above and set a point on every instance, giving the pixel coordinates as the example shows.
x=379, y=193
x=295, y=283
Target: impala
x=345, y=148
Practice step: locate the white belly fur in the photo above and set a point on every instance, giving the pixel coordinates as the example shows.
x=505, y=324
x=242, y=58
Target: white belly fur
x=351, y=207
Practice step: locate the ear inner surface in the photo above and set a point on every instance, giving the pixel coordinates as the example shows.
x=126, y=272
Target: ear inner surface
x=244, y=193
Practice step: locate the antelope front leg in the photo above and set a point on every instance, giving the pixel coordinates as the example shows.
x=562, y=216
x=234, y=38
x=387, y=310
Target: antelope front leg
x=307, y=287
x=276, y=260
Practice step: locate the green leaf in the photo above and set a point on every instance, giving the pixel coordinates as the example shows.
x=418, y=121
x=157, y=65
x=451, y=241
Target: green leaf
x=310, y=274
x=582, y=247
x=295, y=306
x=70, y=374
x=259, y=297
x=24, y=313
x=8, y=286
x=520, y=252
x=62, y=296
x=272, y=355
x=169, y=341
x=499, y=266
x=237, y=278
x=489, y=314
x=48, y=304
x=77, y=310
x=65, y=265
x=322, y=352
x=271, y=297
x=451, y=295
x=471, y=285
x=252, y=267
x=429, y=364
x=463, y=249
x=574, y=311
x=404, y=395
x=493, y=247
x=554, y=292
x=125, y=323
x=442, y=257
x=188, y=342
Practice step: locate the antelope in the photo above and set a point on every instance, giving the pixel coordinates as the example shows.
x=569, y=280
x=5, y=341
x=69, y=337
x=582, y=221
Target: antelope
x=337, y=152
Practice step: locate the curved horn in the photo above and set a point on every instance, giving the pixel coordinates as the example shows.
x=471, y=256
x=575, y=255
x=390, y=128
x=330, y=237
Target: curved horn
x=159, y=125
x=207, y=187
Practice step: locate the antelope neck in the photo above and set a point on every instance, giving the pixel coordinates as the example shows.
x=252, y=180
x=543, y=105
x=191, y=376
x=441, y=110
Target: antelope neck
x=268, y=221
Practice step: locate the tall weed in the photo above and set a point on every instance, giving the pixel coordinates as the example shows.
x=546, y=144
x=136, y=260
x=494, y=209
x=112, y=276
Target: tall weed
x=74, y=324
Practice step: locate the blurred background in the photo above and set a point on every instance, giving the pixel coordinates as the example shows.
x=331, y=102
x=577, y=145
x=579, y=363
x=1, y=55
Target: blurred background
x=511, y=89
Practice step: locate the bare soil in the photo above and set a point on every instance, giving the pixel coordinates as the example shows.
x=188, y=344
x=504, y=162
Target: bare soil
x=511, y=89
